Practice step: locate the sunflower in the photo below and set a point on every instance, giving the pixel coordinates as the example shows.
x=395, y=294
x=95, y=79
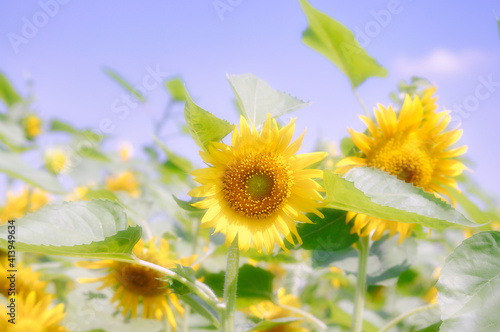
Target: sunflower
x=412, y=146
x=26, y=281
x=134, y=283
x=124, y=181
x=32, y=126
x=33, y=313
x=268, y=311
x=258, y=187
x=18, y=205
x=56, y=160
x=428, y=100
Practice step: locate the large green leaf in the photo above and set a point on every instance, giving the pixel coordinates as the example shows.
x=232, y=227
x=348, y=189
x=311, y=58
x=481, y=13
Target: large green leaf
x=379, y=194
x=176, y=89
x=203, y=126
x=124, y=83
x=7, y=92
x=469, y=285
x=97, y=229
x=337, y=43
x=256, y=98
x=15, y=166
x=328, y=234
x=254, y=284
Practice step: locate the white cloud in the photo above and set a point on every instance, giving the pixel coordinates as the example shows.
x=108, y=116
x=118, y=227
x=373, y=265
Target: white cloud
x=442, y=62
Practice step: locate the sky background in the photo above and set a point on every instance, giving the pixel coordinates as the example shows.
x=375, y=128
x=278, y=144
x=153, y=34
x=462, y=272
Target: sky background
x=455, y=44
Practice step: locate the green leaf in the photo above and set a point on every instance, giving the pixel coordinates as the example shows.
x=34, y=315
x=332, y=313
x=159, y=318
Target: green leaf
x=12, y=135
x=15, y=166
x=93, y=153
x=185, y=205
x=379, y=194
x=254, y=284
x=203, y=126
x=269, y=324
x=337, y=43
x=93, y=229
x=201, y=307
x=176, y=88
x=386, y=260
x=328, y=234
x=180, y=162
x=124, y=83
x=469, y=285
x=57, y=125
x=102, y=194
x=7, y=92
x=347, y=146
x=256, y=98
x=432, y=328
x=279, y=258
x=498, y=23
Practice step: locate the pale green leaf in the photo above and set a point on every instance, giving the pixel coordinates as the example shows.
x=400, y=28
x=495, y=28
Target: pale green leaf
x=203, y=126
x=337, y=43
x=469, y=285
x=256, y=98
x=7, y=93
x=102, y=194
x=12, y=135
x=97, y=229
x=124, y=83
x=15, y=166
x=379, y=194
x=176, y=88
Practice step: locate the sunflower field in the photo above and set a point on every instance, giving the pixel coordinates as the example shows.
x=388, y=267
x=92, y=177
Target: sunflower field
x=385, y=230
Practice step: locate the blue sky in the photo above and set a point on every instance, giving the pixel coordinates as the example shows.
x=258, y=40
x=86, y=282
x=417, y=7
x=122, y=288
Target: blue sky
x=455, y=44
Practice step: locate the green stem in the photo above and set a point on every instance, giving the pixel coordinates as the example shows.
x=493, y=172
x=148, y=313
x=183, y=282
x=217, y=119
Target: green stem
x=405, y=315
x=359, y=297
x=230, y=284
x=361, y=102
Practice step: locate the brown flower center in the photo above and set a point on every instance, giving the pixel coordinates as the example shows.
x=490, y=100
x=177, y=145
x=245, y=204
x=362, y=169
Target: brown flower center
x=257, y=185
x=405, y=157
x=140, y=280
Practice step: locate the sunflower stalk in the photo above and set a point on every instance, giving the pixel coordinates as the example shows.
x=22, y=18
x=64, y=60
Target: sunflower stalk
x=359, y=297
x=230, y=286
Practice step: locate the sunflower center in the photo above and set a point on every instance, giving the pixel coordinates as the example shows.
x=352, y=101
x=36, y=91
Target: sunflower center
x=140, y=280
x=405, y=157
x=257, y=185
